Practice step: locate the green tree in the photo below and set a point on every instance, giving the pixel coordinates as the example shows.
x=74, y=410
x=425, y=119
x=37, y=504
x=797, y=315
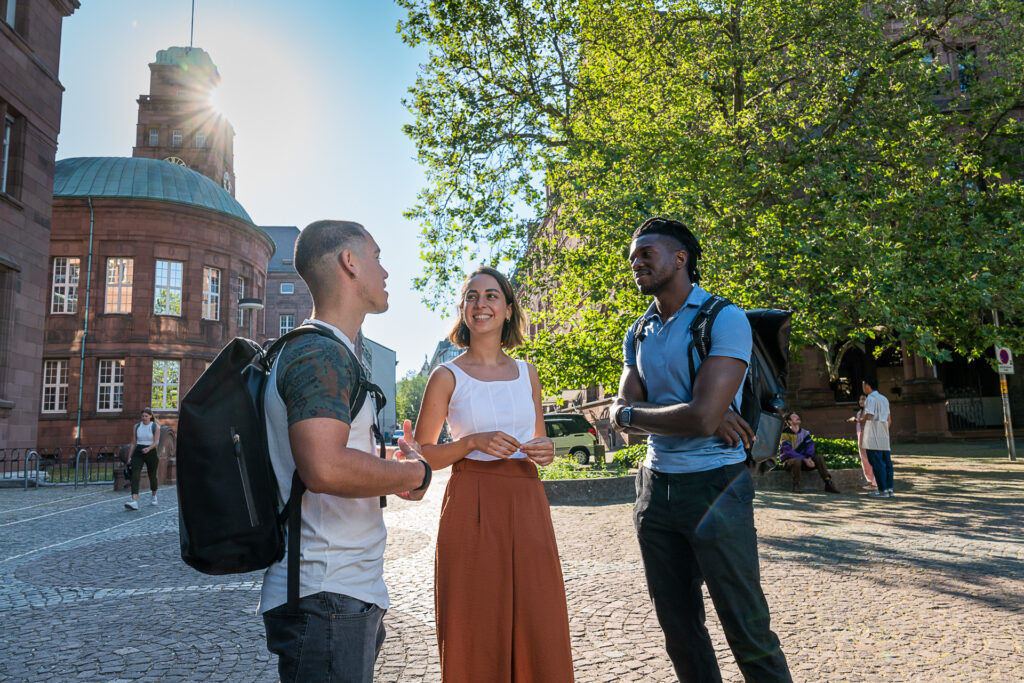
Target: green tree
x=859, y=164
x=409, y=395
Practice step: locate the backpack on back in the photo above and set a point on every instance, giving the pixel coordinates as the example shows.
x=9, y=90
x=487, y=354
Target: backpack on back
x=764, y=386
x=231, y=519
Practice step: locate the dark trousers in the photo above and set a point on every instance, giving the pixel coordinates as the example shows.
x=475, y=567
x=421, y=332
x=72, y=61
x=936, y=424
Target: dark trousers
x=333, y=638
x=697, y=528
x=152, y=460
x=796, y=467
x=881, y=465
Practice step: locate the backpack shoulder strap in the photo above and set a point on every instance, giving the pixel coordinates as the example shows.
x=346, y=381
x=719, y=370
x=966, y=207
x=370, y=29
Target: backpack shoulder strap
x=700, y=332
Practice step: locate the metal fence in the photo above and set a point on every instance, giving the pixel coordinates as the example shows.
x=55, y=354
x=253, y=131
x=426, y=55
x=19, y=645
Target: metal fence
x=71, y=466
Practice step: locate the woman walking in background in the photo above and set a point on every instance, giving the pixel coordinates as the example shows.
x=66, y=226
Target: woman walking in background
x=145, y=438
x=501, y=615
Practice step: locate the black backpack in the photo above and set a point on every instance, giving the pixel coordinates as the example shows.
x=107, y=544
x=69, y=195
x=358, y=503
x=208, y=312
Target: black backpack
x=230, y=514
x=764, y=387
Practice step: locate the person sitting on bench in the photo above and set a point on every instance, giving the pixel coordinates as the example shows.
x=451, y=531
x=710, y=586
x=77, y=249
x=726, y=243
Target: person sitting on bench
x=797, y=453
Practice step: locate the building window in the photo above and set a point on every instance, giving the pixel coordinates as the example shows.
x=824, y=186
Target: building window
x=167, y=290
x=154, y=138
x=165, y=385
x=176, y=138
x=55, y=386
x=286, y=262
x=10, y=12
x=211, y=294
x=200, y=139
x=118, y=298
x=287, y=324
x=287, y=288
x=8, y=290
x=111, y=386
x=5, y=153
x=64, y=293
x=966, y=66
x=242, y=314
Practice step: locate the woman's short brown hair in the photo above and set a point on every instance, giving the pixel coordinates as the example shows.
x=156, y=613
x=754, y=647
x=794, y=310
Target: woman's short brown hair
x=511, y=333
x=148, y=411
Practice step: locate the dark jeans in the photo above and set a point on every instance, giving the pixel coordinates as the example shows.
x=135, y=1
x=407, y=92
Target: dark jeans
x=881, y=465
x=152, y=460
x=696, y=528
x=333, y=638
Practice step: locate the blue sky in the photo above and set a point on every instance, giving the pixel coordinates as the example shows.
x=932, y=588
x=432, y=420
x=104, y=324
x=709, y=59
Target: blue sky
x=313, y=90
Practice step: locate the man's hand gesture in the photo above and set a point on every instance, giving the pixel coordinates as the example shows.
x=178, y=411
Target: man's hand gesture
x=408, y=449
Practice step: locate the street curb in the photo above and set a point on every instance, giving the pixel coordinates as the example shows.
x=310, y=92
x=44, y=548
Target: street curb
x=846, y=480
x=598, y=491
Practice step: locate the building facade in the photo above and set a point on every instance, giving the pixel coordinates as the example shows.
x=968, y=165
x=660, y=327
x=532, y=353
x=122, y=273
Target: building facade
x=148, y=263
x=288, y=299
x=30, y=105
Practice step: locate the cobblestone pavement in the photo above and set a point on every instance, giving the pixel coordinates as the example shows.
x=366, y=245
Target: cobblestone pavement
x=928, y=586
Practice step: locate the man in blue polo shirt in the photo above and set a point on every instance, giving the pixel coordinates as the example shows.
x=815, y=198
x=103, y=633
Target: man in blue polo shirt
x=694, y=512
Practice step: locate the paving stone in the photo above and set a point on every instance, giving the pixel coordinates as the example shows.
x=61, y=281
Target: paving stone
x=927, y=586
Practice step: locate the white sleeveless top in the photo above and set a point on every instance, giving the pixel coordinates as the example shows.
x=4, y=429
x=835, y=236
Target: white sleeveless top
x=501, y=405
x=144, y=434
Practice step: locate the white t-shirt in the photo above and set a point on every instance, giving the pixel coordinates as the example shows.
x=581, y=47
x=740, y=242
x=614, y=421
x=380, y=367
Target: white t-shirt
x=876, y=430
x=343, y=539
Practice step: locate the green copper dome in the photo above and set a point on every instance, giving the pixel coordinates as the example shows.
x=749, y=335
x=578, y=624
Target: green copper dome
x=136, y=178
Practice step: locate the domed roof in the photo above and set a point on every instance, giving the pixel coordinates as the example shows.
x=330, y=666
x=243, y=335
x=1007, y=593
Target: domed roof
x=136, y=178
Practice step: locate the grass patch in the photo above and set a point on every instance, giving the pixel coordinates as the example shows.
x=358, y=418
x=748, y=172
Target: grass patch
x=568, y=468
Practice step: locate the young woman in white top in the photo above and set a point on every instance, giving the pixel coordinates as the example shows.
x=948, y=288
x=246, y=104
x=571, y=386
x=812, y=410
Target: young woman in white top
x=499, y=594
x=145, y=438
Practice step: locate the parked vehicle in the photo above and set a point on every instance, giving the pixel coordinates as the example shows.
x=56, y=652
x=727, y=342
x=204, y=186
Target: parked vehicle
x=573, y=436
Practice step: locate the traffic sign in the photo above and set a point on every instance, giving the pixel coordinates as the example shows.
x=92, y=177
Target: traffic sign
x=1005, y=358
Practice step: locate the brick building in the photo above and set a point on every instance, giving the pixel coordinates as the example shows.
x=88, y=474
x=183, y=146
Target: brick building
x=162, y=256
x=288, y=299
x=30, y=104
x=177, y=121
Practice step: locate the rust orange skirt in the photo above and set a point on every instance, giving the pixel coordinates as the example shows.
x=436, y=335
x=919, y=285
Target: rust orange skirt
x=499, y=594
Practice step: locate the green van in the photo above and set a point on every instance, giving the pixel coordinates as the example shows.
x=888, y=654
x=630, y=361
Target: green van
x=573, y=436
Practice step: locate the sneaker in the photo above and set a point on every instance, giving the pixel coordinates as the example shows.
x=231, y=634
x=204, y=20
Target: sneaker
x=877, y=494
x=153, y=501
x=870, y=487
x=830, y=487
x=132, y=505
x=889, y=493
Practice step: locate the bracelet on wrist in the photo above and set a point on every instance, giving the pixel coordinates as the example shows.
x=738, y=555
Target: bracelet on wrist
x=427, y=473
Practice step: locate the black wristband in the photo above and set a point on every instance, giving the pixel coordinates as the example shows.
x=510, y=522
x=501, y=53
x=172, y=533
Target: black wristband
x=427, y=473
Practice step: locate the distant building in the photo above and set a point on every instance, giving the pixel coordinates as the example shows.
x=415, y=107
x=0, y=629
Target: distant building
x=30, y=103
x=444, y=352
x=288, y=299
x=380, y=361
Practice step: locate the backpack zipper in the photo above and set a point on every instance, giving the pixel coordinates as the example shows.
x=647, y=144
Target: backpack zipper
x=243, y=472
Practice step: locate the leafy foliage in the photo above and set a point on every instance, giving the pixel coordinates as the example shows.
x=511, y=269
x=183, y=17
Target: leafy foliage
x=630, y=457
x=568, y=468
x=836, y=446
x=857, y=163
x=409, y=395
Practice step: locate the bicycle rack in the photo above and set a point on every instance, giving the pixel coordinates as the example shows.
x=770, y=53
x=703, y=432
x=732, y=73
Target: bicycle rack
x=28, y=456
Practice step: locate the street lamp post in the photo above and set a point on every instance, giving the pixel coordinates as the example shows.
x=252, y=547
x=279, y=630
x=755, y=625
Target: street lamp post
x=250, y=304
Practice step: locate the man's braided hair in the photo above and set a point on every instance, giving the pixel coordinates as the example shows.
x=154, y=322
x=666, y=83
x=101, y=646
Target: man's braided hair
x=659, y=225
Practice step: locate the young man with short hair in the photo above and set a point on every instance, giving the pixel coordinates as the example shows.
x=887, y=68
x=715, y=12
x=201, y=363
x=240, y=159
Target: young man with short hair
x=694, y=512
x=876, y=438
x=797, y=453
x=338, y=631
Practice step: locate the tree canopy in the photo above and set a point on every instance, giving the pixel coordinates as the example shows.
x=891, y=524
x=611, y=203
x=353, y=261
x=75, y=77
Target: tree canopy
x=409, y=395
x=858, y=163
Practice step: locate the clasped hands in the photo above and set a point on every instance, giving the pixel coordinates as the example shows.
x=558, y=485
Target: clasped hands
x=540, y=451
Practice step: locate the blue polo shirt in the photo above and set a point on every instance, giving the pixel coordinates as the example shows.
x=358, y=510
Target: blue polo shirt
x=666, y=375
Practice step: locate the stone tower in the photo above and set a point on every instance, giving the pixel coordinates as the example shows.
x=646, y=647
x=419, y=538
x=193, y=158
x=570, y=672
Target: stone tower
x=177, y=121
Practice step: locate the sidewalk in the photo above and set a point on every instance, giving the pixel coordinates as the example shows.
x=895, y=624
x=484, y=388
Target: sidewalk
x=928, y=586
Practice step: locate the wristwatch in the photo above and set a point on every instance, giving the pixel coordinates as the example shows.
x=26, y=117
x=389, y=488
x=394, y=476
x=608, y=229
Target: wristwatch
x=427, y=472
x=623, y=416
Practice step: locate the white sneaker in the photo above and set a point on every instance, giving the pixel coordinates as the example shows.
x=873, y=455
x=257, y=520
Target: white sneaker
x=889, y=493
x=132, y=504
x=153, y=501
